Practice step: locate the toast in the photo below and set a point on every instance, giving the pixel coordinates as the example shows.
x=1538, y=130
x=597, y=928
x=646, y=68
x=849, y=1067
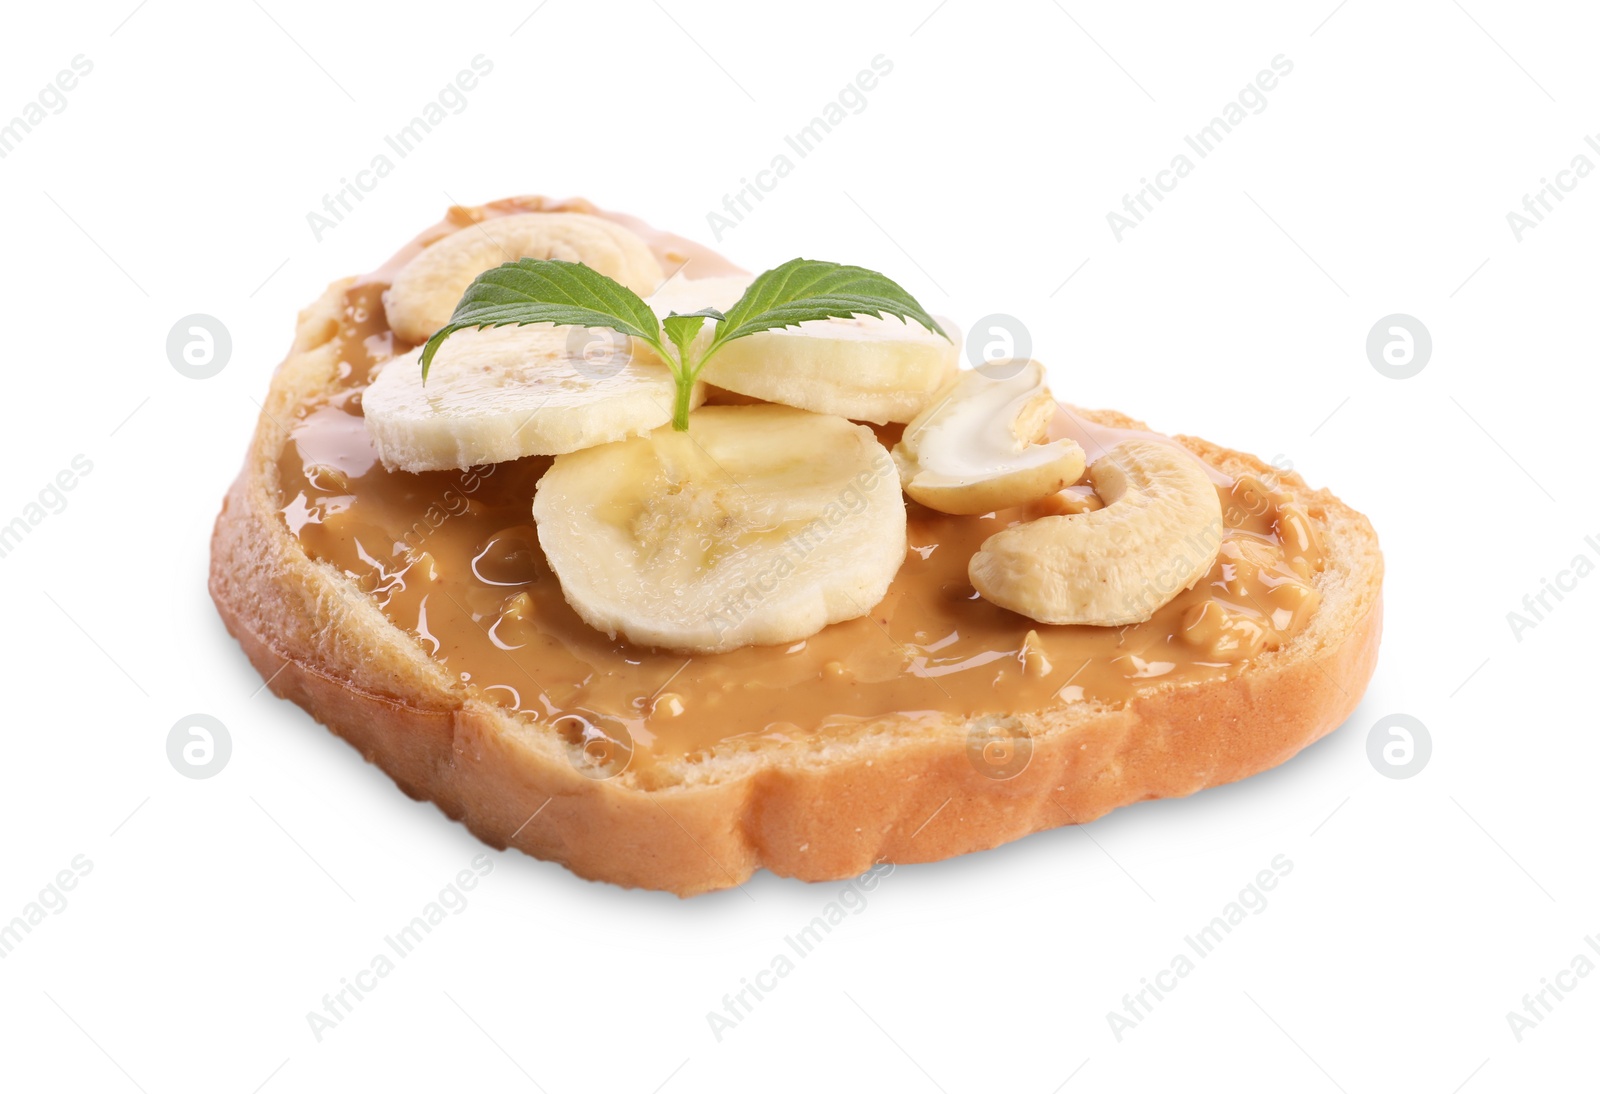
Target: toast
x=896, y=787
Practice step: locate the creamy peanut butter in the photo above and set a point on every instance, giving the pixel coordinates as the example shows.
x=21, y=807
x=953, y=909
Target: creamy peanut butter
x=453, y=558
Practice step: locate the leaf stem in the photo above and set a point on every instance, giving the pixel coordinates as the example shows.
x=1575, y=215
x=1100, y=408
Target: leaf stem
x=680, y=403
x=685, y=371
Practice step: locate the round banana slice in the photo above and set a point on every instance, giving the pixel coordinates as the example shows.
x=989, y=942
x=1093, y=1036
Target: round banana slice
x=426, y=290
x=866, y=368
x=760, y=525
x=978, y=447
x=1156, y=536
x=501, y=393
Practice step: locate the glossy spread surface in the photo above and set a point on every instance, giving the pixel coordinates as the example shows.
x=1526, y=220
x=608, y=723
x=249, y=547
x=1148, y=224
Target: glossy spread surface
x=452, y=558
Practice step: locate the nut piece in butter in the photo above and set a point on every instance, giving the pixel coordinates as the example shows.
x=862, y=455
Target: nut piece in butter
x=1299, y=538
x=1292, y=604
x=1221, y=634
x=1032, y=655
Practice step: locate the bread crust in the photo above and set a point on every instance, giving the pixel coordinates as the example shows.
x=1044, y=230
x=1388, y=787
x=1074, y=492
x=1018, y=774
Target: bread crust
x=894, y=792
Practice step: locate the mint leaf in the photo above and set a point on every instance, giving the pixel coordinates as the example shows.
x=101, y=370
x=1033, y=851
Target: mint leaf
x=682, y=327
x=804, y=289
x=548, y=290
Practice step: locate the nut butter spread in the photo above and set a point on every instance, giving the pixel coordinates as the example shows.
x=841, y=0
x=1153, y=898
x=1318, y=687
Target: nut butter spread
x=452, y=557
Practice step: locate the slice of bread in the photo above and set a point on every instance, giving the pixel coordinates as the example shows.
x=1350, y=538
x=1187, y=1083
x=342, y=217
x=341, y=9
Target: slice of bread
x=819, y=808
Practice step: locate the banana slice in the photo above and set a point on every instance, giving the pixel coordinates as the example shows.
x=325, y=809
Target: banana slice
x=760, y=525
x=426, y=290
x=977, y=448
x=502, y=393
x=1156, y=536
x=866, y=368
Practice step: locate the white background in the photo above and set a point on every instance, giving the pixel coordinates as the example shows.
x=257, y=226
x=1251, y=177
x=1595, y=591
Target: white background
x=1377, y=180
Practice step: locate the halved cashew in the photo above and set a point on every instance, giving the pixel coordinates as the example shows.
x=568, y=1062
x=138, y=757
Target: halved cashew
x=978, y=447
x=426, y=290
x=1157, y=535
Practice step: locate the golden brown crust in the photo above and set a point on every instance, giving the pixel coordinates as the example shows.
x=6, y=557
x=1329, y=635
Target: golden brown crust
x=323, y=644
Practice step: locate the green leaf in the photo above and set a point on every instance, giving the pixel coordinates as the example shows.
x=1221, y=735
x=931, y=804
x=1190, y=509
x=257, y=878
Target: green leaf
x=547, y=290
x=803, y=289
x=541, y=290
x=682, y=328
